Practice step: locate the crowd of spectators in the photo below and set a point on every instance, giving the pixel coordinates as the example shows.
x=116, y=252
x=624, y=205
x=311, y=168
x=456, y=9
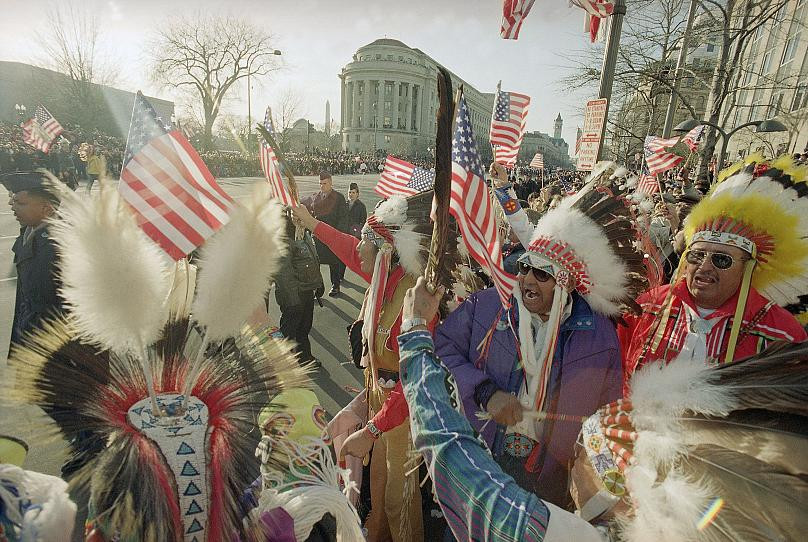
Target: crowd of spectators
x=67, y=157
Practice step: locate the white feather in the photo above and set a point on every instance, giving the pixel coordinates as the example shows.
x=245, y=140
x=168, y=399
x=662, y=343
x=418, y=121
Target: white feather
x=410, y=249
x=661, y=392
x=237, y=264
x=646, y=205
x=393, y=211
x=114, y=278
x=665, y=512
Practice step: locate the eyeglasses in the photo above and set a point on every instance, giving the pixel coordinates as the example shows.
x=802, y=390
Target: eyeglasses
x=719, y=259
x=539, y=274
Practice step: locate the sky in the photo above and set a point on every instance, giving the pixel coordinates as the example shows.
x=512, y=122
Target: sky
x=318, y=37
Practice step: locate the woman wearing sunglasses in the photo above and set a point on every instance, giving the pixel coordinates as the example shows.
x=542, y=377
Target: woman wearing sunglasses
x=555, y=348
x=745, y=263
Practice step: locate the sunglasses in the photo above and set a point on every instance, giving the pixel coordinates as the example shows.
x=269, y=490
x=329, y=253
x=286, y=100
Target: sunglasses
x=719, y=259
x=539, y=274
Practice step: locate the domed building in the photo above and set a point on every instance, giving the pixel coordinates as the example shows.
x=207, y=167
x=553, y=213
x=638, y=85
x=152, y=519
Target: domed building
x=390, y=101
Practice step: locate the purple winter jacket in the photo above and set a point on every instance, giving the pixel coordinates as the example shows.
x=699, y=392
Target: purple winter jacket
x=586, y=374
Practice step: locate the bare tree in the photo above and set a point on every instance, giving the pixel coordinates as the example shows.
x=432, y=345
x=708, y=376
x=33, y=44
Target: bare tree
x=736, y=22
x=209, y=55
x=286, y=110
x=72, y=46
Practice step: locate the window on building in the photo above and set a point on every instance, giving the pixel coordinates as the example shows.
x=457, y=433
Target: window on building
x=388, y=88
x=800, y=96
x=388, y=106
x=378, y=56
x=388, y=122
x=710, y=47
x=389, y=57
x=387, y=139
x=357, y=138
x=776, y=104
x=750, y=72
x=790, y=50
x=780, y=15
x=758, y=34
x=756, y=108
x=401, y=59
x=360, y=88
x=359, y=119
x=767, y=61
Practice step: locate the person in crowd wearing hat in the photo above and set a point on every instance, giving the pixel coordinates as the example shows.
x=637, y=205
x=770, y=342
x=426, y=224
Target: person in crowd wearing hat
x=745, y=262
x=35, y=255
x=357, y=212
x=328, y=206
x=555, y=349
x=389, y=256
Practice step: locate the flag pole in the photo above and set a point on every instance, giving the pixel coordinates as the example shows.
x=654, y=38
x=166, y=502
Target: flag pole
x=290, y=176
x=285, y=167
x=494, y=112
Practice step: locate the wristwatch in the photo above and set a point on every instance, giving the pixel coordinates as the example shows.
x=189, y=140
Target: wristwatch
x=410, y=323
x=374, y=431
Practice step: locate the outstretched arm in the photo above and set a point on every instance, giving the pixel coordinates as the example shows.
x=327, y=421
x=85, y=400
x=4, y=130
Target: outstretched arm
x=479, y=500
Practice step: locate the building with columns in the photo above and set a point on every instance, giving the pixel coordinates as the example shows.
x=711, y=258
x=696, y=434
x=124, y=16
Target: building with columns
x=390, y=101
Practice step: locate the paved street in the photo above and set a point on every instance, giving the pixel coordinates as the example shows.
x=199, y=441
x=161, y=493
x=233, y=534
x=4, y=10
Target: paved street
x=336, y=383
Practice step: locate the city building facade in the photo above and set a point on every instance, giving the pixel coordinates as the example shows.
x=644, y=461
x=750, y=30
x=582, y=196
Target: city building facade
x=776, y=79
x=642, y=112
x=390, y=101
x=554, y=149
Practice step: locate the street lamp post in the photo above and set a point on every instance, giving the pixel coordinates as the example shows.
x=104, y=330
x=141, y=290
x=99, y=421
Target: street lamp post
x=761, y=126
x=249, y=99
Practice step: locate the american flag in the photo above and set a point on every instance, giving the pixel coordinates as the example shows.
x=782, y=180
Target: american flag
x=173, y=195
x=595, y=10
x=513, y=13
x=508, y=119
x=657, y=159
x=403, y=179
x=271, y=167
x=691, y=139
x=538, y=161
x=647, y=183
x=471, y=205
x=41, y=130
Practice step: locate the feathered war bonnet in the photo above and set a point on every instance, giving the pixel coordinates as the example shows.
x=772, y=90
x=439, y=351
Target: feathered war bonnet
x=167, y=397
x=587, y=244
x=761, y=208
x=701, y=453
x=400, y=229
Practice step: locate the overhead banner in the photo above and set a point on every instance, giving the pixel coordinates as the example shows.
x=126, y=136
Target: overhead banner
x=594, y=117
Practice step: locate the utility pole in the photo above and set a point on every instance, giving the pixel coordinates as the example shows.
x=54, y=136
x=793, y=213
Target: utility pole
x=680, y=64
x=609, y=64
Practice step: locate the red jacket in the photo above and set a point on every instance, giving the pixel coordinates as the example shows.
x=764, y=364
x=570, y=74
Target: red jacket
x=763, y=322
x=395, y=409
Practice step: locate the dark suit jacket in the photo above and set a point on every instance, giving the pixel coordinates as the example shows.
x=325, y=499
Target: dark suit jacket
x=333, y=210
x=37, y=282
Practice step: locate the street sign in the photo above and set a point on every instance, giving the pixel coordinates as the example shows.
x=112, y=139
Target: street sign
x=594, y=117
